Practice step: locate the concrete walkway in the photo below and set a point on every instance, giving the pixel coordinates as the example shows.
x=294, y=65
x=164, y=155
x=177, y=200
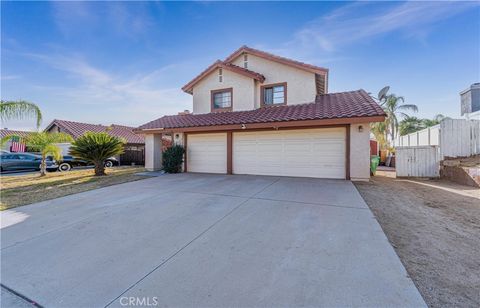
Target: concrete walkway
x=192, y=240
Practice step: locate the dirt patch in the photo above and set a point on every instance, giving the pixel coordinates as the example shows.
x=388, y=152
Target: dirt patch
x=434, y=227
x=26, y=189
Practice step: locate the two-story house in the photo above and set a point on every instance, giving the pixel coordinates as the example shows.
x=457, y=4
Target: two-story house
x=258, y=113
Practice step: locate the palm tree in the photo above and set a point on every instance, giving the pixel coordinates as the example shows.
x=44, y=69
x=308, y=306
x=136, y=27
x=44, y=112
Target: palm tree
x=96, y=148
x=394, y=107
x=436, y=120
x=45, y=143
x=379, y=130
x=411, y=124
x=19, y=110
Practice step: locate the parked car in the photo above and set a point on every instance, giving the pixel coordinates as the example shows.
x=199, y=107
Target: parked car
x=24, y=161
x=68, y=162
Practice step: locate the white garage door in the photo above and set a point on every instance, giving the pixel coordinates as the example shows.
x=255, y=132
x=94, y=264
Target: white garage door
x=207, y=153
x=316, y=153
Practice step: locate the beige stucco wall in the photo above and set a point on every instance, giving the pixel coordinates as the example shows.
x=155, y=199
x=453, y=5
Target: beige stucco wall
x=153, y=152
x=300, y=84
x=360, y=152
x=243, y=91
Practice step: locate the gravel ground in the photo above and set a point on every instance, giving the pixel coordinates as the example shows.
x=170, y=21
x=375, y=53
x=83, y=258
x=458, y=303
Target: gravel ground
x=434, y=227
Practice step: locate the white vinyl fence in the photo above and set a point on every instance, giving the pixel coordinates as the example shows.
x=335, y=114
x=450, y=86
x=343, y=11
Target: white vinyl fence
x=427, y=136
x=459, y=138
x=419, y=154
x=417, y=161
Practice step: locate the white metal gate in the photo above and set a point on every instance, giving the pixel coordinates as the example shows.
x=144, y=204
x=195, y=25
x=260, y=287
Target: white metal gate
x=418, y=161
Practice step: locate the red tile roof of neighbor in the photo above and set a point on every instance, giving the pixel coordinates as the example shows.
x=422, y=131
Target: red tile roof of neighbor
x=351, y=104
x=10, y=132
x=76, y=129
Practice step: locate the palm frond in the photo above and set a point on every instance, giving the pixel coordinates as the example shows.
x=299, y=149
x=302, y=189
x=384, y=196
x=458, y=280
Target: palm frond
x=52, y=150
x=6, y=139
x=20, y=110
x=412, y=107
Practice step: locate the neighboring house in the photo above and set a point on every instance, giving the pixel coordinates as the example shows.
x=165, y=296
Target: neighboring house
x=134, y=148
x=14, y=145
x=257, y=113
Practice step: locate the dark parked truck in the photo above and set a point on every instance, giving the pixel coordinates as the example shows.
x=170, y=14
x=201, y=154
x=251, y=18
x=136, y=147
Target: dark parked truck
x=24, y=162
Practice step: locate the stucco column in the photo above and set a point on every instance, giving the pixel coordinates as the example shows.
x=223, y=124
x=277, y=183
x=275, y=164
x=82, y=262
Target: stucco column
x=153, y=152
x=180, y=139
x=360, y=152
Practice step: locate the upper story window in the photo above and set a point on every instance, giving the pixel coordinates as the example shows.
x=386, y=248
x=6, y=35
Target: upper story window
x=220, y=75
x=274, y=94
x=245, y=61
x=222, y=99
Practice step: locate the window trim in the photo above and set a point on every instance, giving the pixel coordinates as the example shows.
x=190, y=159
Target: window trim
x=212, y=101
x=262, y=92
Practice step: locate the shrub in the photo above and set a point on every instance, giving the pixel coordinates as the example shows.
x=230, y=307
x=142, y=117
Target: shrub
x=96, y=148
x=173, y=159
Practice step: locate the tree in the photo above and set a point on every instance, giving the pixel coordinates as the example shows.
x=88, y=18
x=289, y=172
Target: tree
x=378, y=130
x=410, y=124
x=96, y=148
x=436, y=120
x=18, y=110
x=45, y=143
x=394, y=108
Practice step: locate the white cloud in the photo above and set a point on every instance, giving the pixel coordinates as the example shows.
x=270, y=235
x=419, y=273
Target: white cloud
x=128, y=19
x=105, y=97
x=346, y=25
x=10, y=77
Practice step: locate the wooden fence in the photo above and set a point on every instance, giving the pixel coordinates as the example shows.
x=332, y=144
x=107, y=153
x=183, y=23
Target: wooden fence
x=419, y=154
x=133, y=155
x=418, y=161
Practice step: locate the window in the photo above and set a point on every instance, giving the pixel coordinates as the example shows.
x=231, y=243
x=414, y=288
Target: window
x=245, y=61
x=275, y=94
x=220, y=75
x=222, y=99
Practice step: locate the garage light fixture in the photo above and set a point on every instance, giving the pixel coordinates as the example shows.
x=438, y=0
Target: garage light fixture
x=360, y=128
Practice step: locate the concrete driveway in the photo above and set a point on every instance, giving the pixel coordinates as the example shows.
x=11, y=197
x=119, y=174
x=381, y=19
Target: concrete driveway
x=192, y=240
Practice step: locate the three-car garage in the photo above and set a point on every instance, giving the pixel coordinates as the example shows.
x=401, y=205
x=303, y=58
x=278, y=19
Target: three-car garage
x=313, y=152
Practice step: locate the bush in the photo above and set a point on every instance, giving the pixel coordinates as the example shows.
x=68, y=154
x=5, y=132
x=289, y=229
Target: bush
x=173, y=159
x=96, y=148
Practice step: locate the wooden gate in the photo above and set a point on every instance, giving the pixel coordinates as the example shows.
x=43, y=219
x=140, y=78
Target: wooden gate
x=133, y=155
x=418, y=161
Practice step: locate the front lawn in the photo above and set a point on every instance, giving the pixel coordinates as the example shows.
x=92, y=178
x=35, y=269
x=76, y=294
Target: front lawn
x=30, y=188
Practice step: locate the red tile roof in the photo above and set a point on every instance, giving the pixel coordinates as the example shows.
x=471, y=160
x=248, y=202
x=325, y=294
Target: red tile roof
x=327, y=106
x=228, y=66
x=272, y=57
x=9, y=132
x=76, y=129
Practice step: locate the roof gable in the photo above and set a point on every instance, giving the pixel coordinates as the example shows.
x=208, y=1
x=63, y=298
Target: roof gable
x=220, y=64
x=286, y=61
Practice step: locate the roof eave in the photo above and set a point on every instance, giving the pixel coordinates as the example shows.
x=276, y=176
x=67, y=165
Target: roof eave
x=268, y=125
x=279, y=59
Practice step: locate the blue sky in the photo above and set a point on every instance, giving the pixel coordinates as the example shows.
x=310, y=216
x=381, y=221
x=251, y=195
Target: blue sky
x=125, y=62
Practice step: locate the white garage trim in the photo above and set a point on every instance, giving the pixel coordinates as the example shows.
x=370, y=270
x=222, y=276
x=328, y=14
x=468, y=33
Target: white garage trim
x=319, y=152
x=206, y=153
